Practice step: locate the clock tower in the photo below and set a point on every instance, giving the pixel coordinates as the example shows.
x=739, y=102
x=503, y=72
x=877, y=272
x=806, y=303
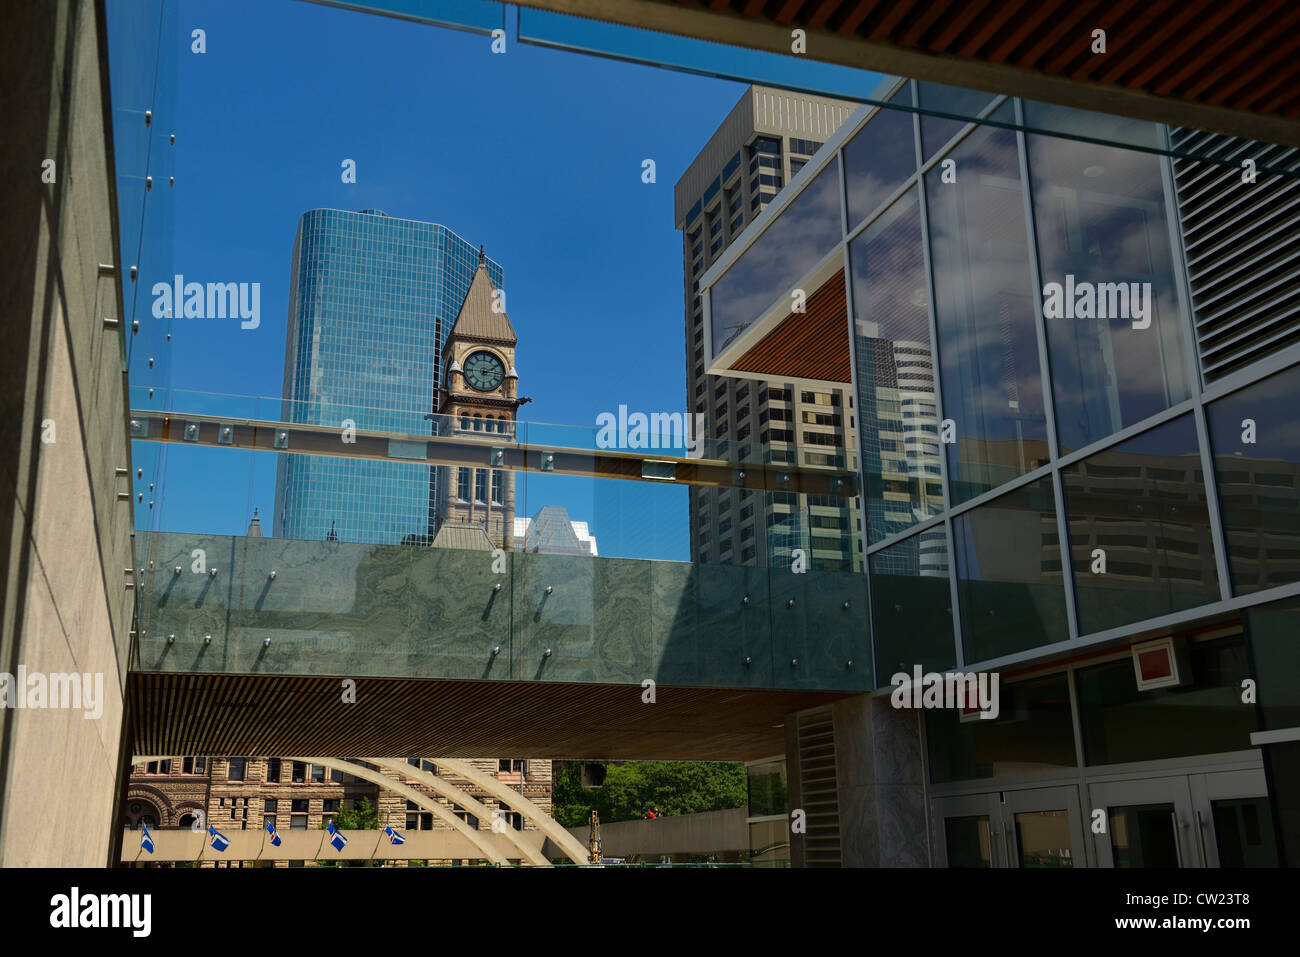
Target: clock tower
x=479, y=397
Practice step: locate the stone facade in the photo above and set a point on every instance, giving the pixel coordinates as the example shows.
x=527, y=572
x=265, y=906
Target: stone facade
x=172, y=794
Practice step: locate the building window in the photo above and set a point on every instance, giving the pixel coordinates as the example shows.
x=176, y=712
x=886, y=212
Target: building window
x=273, y=770
x=511, y=765
x=236, y=769
x=1109, y=372
x=298, y=822
x=462, y=485
x=270, y=806
x=330, y=805
x=299, y=805
x=299, y=772
x=318, y=773
x=480, y=486
x=498, y=487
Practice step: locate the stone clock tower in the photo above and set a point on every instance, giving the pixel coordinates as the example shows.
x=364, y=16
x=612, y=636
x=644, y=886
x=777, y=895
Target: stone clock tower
x=479, y=396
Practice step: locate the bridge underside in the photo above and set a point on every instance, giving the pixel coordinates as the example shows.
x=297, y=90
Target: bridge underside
x=282, y=714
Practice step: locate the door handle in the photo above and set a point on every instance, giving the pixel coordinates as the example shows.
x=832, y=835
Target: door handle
x=1200, y=839
x=1178, y=838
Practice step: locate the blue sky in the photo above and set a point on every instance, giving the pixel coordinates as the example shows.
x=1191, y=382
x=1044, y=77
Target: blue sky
x=536, y=153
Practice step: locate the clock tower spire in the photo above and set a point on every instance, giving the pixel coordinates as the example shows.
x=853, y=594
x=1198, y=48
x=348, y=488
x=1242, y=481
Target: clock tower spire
x=478, y=398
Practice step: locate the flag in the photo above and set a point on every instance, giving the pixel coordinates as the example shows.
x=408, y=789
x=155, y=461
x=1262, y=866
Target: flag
x=393, y=836
x=336, y=838
x=275, y=838
x=217, y=839
x=146, y=839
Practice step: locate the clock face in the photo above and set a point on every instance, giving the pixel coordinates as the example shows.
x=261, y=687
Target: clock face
x=484, y=371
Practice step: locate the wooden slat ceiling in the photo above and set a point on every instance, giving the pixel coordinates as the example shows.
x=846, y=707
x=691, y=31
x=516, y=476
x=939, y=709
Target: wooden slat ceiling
x=1231, y=66
x=810, y=345
x=1241, y=54
x=260, y=715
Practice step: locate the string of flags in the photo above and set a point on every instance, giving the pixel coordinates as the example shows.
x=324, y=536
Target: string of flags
x=220, y=842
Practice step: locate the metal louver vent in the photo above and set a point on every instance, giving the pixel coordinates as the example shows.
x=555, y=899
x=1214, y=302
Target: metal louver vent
x=1243, y=260
x=818, y=790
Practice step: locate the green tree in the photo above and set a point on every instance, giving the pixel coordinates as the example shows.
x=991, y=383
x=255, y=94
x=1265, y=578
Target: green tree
x=361, y=818
x=630, y=789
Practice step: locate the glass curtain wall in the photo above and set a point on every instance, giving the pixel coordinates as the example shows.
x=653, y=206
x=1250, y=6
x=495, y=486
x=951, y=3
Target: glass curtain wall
x=1034, y=436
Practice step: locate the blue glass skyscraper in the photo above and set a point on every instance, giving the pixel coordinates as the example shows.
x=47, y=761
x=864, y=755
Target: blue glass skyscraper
x=371, y=301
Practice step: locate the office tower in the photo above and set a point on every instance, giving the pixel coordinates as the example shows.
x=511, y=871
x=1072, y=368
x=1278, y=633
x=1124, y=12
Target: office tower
x=372, y=300
x=765, y=140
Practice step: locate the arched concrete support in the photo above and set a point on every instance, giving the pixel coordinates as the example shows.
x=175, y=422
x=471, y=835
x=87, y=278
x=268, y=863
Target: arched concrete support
x=490, y=851
x=465, y=800
x=560, y=837
x=481, y=839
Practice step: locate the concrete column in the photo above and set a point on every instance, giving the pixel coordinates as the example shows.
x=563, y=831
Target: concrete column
x=880, y=778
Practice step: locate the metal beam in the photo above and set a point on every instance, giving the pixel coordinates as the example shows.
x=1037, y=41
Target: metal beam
x=484, y=450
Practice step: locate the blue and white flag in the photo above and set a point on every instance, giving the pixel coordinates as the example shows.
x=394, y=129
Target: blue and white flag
x=394, y=837
x=336, y=838
x=217, y=839
x=275, y=838
x=146, y=839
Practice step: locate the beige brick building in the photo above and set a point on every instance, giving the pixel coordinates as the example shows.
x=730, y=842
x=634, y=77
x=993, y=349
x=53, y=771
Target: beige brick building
x=236, y=794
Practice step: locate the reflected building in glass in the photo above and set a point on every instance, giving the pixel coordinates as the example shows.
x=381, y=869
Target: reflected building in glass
x=761, y=146
x=1100, y=504
x=372, y=300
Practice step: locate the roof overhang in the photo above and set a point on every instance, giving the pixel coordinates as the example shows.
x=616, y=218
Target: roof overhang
x=260, y=715
x=1230, y=66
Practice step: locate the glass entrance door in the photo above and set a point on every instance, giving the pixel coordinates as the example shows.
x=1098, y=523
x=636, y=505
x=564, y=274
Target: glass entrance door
x=1235, y=819
x=1146, y=823
x=1219, y=819
x=1038, y=827
x=1043, y=828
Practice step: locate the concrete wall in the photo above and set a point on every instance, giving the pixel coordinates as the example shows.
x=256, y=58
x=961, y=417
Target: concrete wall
x=709, y=832
x=65, y=536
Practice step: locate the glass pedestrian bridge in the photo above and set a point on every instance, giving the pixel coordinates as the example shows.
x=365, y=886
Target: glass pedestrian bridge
x=352, y=596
